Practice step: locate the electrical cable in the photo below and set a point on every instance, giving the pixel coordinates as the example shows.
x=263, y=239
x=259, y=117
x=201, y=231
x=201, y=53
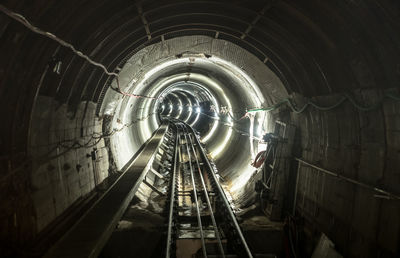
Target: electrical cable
x=237, y=120
x=88, y=144
x=345, y=97
x=131, y=94
x=288, y=102
x=75, y=145
x=231, y=126
x=21, y=19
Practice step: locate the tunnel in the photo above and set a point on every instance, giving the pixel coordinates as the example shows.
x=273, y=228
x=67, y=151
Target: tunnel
x=296, y=105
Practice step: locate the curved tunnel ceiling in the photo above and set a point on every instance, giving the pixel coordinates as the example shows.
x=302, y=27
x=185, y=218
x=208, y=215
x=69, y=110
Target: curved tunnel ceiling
x=308, y=47
x=314, y=47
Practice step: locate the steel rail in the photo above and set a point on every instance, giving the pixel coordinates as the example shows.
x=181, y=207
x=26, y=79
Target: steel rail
x=217, y=235
x=172, y=197
x=224, y=199
x=195, y=196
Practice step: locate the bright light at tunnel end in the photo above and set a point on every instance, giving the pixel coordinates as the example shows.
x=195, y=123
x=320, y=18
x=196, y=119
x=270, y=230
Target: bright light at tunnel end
x=222, y=129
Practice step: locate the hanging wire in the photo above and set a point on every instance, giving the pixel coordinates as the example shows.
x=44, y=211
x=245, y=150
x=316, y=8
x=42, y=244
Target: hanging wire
x=289, y=103
x=345, y=97
x=237, y=120
x=21, y=19
x=69, y=145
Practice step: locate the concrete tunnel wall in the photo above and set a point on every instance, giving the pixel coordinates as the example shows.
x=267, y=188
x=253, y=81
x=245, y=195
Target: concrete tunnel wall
x=315, y=48
x=360, y=145
x=231, y=75
x=68, y=171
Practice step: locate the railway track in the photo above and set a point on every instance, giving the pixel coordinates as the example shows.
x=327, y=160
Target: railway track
x=198, y=208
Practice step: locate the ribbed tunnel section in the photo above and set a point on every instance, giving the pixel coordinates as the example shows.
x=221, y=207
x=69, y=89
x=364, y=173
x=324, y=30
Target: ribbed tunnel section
x=208, y=85
x=68, y=128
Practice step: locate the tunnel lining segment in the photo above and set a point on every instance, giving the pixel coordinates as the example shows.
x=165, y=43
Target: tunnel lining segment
x=153, y=68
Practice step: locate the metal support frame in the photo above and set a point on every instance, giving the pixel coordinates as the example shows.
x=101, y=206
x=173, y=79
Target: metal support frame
x=153, y=188
x=256, y=19
x=277, y=172
x=382, y=193
x=144, y=21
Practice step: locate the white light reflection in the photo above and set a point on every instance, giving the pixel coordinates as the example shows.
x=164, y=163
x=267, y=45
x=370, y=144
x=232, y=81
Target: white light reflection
x=170, y=109
x=242, y=179
x=195, y=121
x=260, y=122
x=256, y=93
x=179, y=108
x=142, y=83
x=208, y=136
x=222, y=146
x=198, y=114
x=253, y=156
x=189, y=108
x=223, y=95
x=155, y=70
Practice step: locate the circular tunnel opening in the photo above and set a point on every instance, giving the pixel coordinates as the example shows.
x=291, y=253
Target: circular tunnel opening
x=205, y=83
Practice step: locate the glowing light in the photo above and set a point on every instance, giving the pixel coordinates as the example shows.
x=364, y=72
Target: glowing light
x=251, y=137
x=259, y=128
x=157, y=69
x=198, y=115
x=170, y=110
x=143, y=83
x=197, y=118
x=214, y=127
x=189, y=109
x=179, y=108
x=242, y=179
x=256, y=93
x=222, y=146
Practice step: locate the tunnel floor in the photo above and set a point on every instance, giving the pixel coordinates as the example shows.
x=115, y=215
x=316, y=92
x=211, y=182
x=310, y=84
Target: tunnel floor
x=192, y=213
x=140, y=234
